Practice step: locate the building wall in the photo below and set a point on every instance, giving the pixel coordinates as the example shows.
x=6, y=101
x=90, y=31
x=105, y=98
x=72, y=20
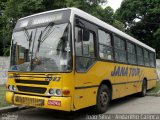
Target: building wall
x=4, y=64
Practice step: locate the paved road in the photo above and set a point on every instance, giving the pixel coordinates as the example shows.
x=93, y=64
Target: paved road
x=127, y=105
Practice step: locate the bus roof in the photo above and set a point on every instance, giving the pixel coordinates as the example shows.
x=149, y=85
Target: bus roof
x=75, y=11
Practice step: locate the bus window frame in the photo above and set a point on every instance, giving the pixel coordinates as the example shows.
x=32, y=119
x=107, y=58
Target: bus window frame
x=112, y=42
x=95, y=42
x=71, y=51
x=142, y=55
x=112, y=45
x=132, y=53
x=144, y=58
x=125, y=48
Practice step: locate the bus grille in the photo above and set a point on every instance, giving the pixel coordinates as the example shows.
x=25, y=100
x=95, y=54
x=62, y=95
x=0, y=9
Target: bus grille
x=32, y=82
x=32, y=89
x=29, y=101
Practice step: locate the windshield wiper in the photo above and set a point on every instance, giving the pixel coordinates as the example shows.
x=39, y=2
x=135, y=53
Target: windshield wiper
x=31, y=57
x=29, y=37
x=40, y=39
x=51, y=25
x=26, y=33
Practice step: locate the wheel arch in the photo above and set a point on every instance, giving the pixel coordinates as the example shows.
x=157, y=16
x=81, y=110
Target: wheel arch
x=145, y=79
x=107, y=83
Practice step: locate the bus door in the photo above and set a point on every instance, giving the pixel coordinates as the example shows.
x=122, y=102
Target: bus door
x=85, y=76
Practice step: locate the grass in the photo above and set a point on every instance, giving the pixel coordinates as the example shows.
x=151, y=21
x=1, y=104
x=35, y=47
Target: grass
x=3, y=102
x=156, y=89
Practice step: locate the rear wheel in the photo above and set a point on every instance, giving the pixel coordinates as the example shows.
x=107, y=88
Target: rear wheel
x=144, y=89
x=103, y=99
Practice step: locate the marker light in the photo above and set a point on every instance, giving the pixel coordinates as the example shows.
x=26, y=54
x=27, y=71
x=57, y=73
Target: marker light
x=66, y=92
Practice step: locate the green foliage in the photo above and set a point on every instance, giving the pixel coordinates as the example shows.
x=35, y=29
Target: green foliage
x=3, y=102
x=12, y=10
x=141, y=18
x=119, y=25
x=155, y=89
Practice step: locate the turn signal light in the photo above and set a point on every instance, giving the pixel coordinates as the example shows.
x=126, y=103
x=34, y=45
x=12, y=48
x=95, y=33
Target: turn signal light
x=66, y=92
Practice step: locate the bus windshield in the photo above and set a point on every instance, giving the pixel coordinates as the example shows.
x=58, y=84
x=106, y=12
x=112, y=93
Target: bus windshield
x=41, y=49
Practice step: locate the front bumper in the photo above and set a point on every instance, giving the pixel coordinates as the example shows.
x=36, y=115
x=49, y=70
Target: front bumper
x=56, y=103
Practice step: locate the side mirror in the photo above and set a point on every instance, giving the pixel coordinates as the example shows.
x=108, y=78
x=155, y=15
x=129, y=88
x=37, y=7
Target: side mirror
x=86, y=35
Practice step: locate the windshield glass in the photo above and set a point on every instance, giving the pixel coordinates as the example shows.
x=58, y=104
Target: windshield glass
x=42, y=49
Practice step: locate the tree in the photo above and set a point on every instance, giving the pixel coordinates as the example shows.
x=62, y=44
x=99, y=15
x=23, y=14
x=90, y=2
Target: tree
x=141, y=18
x=12, y=10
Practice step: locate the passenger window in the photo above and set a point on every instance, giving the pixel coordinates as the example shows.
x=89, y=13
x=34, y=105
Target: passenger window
x=88, y=46
x=140, y=58
x=146, y=58
x=78, y=40
x=152, y=59
x=119, y=48
x=104, y=38
x=131, y=52
x=85, y=51
x=105, y=47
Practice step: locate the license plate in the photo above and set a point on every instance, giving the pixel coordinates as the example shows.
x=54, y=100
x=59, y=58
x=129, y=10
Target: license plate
x=54, y=103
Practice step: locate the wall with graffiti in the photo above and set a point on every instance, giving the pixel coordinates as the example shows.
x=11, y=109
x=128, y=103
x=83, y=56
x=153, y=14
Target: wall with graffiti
x=4, y=64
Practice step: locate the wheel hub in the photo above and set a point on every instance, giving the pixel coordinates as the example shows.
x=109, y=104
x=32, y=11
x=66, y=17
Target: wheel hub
x=103, y=98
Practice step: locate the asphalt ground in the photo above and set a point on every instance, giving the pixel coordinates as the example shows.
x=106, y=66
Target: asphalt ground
x=130, y=105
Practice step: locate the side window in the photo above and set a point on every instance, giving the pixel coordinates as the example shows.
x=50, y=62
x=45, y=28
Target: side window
x=140, y=59
x=105, y=47
x=119, y=48
x=146, y=58
x=131, y=52
x=78, y=41
x=152, y=59
x=88, y=46
x=85, y=51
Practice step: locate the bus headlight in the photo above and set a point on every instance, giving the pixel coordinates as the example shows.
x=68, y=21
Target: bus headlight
x=55, y=92
x=58, y=92
x=11, y=88
x=51, y=91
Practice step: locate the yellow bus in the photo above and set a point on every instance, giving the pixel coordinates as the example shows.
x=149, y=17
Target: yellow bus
x=67, y=59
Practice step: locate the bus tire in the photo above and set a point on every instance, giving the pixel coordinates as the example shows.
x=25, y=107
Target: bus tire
x=144, y=89
x=103, y=99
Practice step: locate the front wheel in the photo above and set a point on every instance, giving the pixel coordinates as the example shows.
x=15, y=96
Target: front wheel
x=103, y=99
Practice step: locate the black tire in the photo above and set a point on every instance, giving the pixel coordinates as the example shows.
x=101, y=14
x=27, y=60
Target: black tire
x=103, y=99
x=144, y=89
